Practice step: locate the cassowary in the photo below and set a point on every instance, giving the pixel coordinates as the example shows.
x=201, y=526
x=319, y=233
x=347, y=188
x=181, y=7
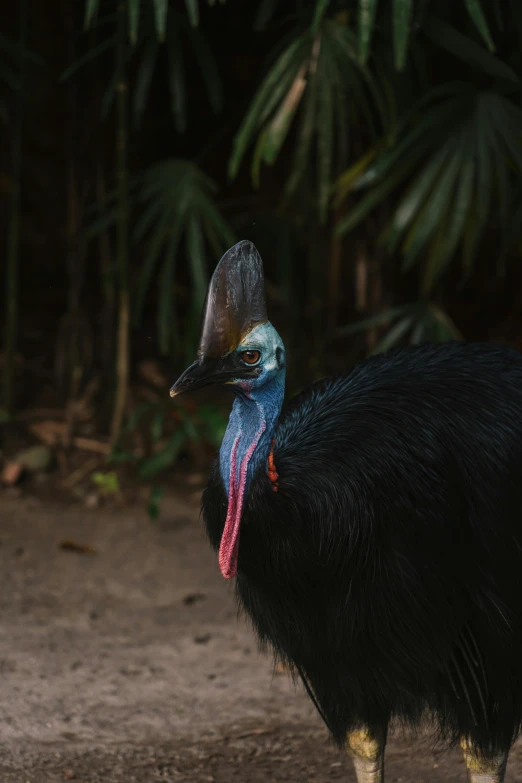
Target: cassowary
x=374, y=526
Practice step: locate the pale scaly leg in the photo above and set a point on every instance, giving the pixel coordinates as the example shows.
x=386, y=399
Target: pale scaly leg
x=367, y=751
x=484, y=770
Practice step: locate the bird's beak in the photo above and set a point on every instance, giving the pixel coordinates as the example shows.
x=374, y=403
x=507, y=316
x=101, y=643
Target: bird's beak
x=202, y=373
x=235, y=304
x=187, y=380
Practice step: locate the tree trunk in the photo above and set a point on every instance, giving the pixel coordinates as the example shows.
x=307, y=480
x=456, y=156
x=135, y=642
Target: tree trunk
x=13, y=232
x=74, y=323
x=122, y=247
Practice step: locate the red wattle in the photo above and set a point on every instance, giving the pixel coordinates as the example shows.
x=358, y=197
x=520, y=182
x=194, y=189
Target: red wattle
x=230, y=537
x=229, y=546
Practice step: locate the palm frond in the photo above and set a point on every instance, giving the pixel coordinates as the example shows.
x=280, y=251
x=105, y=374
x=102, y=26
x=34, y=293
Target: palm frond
x=91, y=55
x=370, y=15
x=177, y=199
x=402, y=12
x=317, y=86
x=179, y=30
x=465, y=49
x=366, y=21
x=176, y=74
x=160, y=15
x=145, y=73
x=192, y=7
x=264, y=13
x=321, y=8
x=147, y=31
x=134, y=18
x=272, y=91
x=450, y=185
x=91, y=9
x=422, y=321
x=477, y=14
x=208, y=67
x=160, y=10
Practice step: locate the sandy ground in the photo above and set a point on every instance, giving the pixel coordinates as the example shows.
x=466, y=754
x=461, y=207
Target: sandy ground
x=130, y=664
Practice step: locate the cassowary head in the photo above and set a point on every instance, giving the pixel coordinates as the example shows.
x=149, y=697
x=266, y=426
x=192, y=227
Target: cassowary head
x=238, y=345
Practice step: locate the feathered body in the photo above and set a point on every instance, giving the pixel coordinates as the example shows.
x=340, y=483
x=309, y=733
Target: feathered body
x=388, y=566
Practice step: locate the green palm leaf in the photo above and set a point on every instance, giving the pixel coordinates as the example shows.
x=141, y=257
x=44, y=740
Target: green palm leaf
x=134, y=18
x=275, y=85
x=370, y=15
x=144, y=78
x=423, y=320
x=145, y=30
x=89, y=56
x=317, y=86
x=428, y=222
x=160, y=16
x=192, y=7
x=166, y=287
x=451, y=231
x=177, y=200
x=208, y=68
x=368, y=323
x=416, y=194
x=394, y=336
x=477, y=14
x=367, y=12
x=176, y=73
x=325, y=146
x=453, y=184
x=91, y=9
x=462, y=47
x=402, y=10
x=320, y=9
x=264, y=14
x=149, y=56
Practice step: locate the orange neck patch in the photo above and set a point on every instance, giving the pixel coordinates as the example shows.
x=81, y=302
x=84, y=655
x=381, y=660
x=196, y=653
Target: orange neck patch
x=273, y=475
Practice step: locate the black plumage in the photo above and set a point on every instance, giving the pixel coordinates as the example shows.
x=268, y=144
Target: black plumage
x=387, y=569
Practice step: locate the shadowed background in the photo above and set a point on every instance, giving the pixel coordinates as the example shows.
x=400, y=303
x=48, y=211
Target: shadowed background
x=371, y=150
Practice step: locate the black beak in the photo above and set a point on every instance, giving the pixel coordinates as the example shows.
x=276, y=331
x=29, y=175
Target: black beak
x=190, y=379
x=204, y=372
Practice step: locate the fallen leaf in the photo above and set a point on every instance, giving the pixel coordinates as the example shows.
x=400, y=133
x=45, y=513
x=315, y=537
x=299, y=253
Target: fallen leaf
x=192, y=598
x=11, y=473
x=54, y=433
x=80, y=473
x=92, y=500
x=204, y=638
x=49, y=431
x=254, y=733
x=35, y=458
x=73, y=546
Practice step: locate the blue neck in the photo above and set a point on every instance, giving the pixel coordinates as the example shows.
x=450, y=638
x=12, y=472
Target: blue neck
x=253, y=417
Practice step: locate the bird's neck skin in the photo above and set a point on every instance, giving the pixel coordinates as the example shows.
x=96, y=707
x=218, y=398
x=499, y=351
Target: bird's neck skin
x=244, y=450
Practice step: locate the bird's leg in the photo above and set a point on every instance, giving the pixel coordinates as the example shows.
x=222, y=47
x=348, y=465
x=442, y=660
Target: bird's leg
x=483, y=769
x=367, y=751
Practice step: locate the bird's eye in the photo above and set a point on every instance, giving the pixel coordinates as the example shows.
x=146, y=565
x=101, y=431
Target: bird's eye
x=251, y=357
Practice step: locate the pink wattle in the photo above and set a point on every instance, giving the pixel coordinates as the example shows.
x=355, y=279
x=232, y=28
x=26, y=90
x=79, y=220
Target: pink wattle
x=230, y=538
x=229, y=546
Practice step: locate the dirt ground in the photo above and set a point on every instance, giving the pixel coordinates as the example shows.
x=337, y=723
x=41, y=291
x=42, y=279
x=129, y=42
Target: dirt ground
x=130, y=664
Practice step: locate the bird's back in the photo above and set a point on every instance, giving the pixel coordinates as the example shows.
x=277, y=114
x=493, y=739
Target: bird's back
x=387, y=566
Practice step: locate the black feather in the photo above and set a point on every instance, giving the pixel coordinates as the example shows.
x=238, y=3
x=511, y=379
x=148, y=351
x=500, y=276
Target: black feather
x=387, y=568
